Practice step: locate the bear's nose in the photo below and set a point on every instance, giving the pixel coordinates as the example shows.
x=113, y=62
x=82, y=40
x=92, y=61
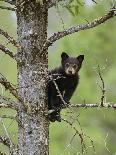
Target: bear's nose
x=70, y=71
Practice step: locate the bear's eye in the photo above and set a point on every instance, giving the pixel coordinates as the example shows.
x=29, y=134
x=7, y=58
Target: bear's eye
x=67, y=64
x=74, y=66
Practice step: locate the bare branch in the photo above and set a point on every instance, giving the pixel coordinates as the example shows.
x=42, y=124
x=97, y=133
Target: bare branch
x=6, y=51
x=82, y=105
x=11, y=39
x=12, y=2
x=14, y=92
x=51, y=3
x=7, y=140
x=97, y=105
x=102, y=88
x=4, y=140
x=7, y=103
x=74, y=29
x=94, y=1
x=7, y=8
x=7, y=117
x=2, y=153
x=9, y=87
x=81, y=136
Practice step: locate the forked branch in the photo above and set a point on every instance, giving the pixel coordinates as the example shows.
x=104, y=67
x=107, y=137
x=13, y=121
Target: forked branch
x=8, y=86
x=7, y=103
x=11, y=39
x=74, y=29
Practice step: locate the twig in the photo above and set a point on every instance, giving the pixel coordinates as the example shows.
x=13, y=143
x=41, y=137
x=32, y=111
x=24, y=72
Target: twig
x=74, y=29
x=11, y=39
x=7, y=117
x=8, y=139
x=6, y=51
x=5, y=140
x=7, y=103
x=2, y=153
x=51, y=3
x=77, y=133
x=12, y=2
x=8, y=86
x=94, y=1
x=7, y=8
x=102, y=88
x=58, y=91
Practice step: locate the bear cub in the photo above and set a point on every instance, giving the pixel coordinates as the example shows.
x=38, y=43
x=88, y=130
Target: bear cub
x=64, y=79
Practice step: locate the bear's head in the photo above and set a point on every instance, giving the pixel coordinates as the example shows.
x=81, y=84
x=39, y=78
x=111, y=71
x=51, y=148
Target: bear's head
x=71, y=65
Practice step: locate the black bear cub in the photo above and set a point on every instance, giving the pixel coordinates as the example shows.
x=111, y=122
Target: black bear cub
x=64, y=79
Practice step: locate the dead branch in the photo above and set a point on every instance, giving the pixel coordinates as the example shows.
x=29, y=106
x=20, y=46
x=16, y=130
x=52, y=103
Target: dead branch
x=8, y=86
x=14, y=92
x=11, y=39
x=7, y=140
x=77, y=133
x=94, y=1
x=102, y=87
x=7, y=103
x=6, y=51
x=12, y=2
x=51, y=3
x=7, y=8
x=2, y=153
x=97, y=105
x=7, y=117
x=4, y=140
x=74, y=29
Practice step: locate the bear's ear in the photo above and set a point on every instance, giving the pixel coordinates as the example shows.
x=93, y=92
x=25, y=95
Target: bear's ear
x=64, y=56
x=80, y=58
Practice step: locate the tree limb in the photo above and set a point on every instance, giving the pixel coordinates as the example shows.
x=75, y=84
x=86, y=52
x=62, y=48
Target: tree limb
x=8, y=86
x=7, y=140
x=7, y=8
x=14, y=92
x=2, y=153
x=6, y=51
x=4, y=140
x=51, y=3
x=97, y=105
x=74, y=29
x=12, y=2
x=11, y=39
x=7, y=103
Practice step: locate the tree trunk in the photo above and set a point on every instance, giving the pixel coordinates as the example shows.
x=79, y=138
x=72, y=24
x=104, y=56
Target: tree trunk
x=32, y=78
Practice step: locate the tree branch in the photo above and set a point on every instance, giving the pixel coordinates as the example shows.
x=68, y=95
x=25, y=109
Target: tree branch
x=8, y=86
x=11, y=39
x=74, y=29
x=6, y=51
x=7, y=8
x=4, y=140
x=2, y=153
x=51, y=3
x=7, y=103
x=7, y=140
x=12, y=2
x=13, y=91
x=97, y=105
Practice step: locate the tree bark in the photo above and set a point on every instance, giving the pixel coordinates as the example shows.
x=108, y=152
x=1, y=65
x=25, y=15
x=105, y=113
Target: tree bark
x=32, y=78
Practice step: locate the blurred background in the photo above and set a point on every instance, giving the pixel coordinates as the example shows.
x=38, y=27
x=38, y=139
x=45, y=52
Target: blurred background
x=98, y=45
